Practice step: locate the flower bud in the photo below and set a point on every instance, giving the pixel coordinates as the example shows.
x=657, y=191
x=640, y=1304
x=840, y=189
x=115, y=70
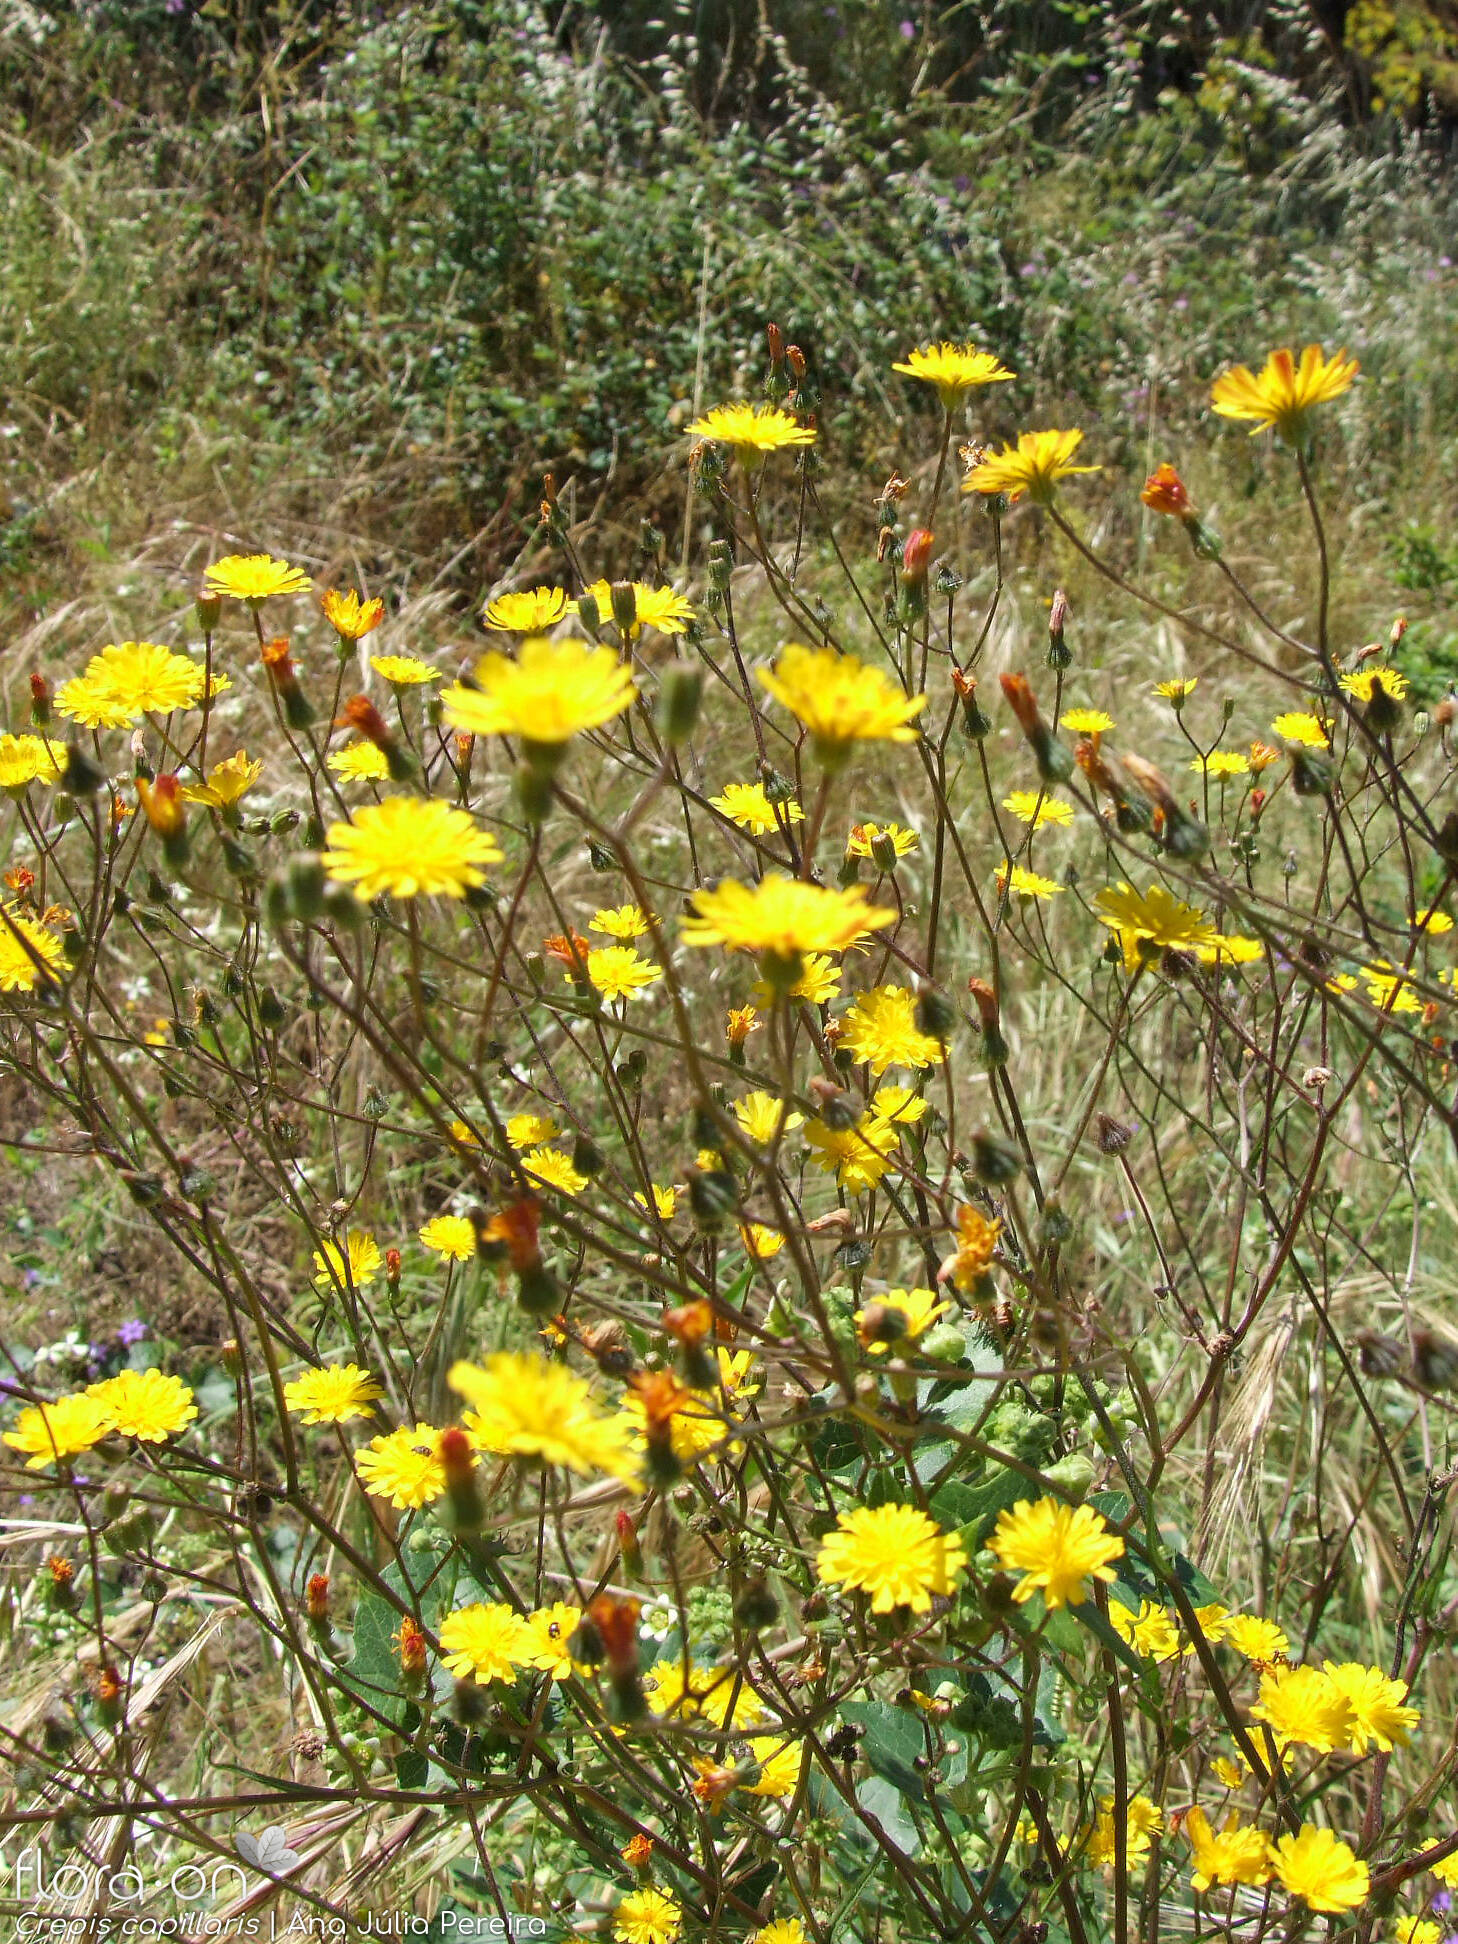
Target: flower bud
x=80, y=777
x=916, y=554
x=538, y=1293
x=935, y=1014
x=883, y=851
x=1054, y=759
x=995, y=1161
x=316, y=1605
x=625, y=607
x=306, y=882
x=466, y=1513
x=1165, y=492
x=1383, y=713
x=208, y=608
x=756, y=1607
x=414, y=1652
x=1059, y=656
x=162, y=802
x=774, y=338
x=680, y=695
x=975, y=722
x=40, y=700
x=628, y=1547
x=721, y=566
x=589, y=613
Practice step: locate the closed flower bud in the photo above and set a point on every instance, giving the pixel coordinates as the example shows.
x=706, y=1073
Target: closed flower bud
x=1312, y=770
x=775, y=341
x=883, y=851
x=680, y=696
x=40, y=700
x=316, y=1602
x=629, y=1549
x=1053, y=758
x=589, y=613
x=538, y=1292
x=1059, y=656
x=208, y=608
x=624, y=606
x=713, y=1198
x=587, y=1156
x=306, y=884
x=533, y=785
x=458, y=1462
x=1165, y=492
x=756, y=1607
x=916, y=554
x=1383, y=713
x=80, y=777
x=935, y=1014
x=721, y=566
x=994, y=1160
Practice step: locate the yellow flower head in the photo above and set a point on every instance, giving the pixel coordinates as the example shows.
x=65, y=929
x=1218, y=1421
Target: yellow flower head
x=30, y=759
x=859, y=1157
x=1284, y=392
x=350, y=615
x=1256, y=1639
x=1149, y=1631
x=451, y=1236
x=553, y=1170
x=1321, y=1869
x=1056, y=1548
x=763, y=1117
x=130, y=679
x=551, y=1629
x=530, y=1130
x=841, y=700
x=1035, y=808
x=864, y=836
x=1389, y=989
x=49, y=1432
x=1378, y=1706
x=1178, y=689
x=817, y=985
x=528, y=612
x=653, y=607
x=1236, y=1855
x=618, y=972
x=976, y=1239
x=1033, y=466
x=360, y=762
x=354, y=1266
x=29, y=951
x=881, y=1029
x=1155, y=915
x=1221, y=762
x=254, y=577
x=1141, y=1819
x=404, y=671
x=1301, y=1704
x=627, y=921
x=914, y=1312
x=332, y=1395
x=524, y=1406
x=409, y=847
x=954, y=369
x=1296, y=726
x=1392, y=680
x=748, y=805
x=648, y=1916
x=1025, y=883
x=901, y=1106
x=403, y=1466
x=1417, y=1930
x=1085, y=722
x=752, y=430
x=145, y=1404
x=760, y=1241
x=485, y=1642
x=554, y=690
x=1446, y=1871
x=228, y=782
x=665, y=1201
x=893, y=1552
x=784, y=916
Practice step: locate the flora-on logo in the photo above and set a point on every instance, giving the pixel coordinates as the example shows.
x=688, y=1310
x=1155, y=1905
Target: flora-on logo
x=269, y=1852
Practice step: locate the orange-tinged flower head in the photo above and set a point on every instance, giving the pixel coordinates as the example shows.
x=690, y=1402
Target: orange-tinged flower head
x=517, y=1228
x=616, y=1620
x=569, y=949
x=410, y=1644
x=361, y=715
x=316, y=1597
x=1165, y=492
x=161, y=799
x=350, y=615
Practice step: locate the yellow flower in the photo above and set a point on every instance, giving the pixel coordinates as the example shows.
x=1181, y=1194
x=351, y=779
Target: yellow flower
x=553, y=1170
x=752, y=430
x=30, y=759
x=817, y=985
x=1377, y=1703
x=863, y=836
x=1298, y=727
x=976, y=1239
x=1230, y=948
x=1390, y=989
x=1446, y=1871
x=553, y=691
x=763, y=1117
x=665, y=1201
x=840, y=700
x=551, y=1629
x=19, y=971
x=1178, y=689
x=350, y=615
x=528, y=612
x=1035, y=808
x=1236, y=1855
x=530, y=1130
x=1432, y=921
x=50, y=1432
x=760, y=1241
x=954, y=369
x=332, y=1395
x=1056, y=1547
x=918, y=1309
x=451, y=1236
x=1221, y=762
x=627, y=921
x=523, y=1405
x=404, y=671
x=780, y=1766
x=145, y=1404
x=254, y=577
x=1155, y=915
x=1284, y=392
x=893, y=1552
x=1085, y=722
x=881, y=1029
x=486, y=1641
x=409, y=847
x=356, y=1265
x=696, y=1425
x=1027, y=884
x=654, y=607
x=227, y=782
x=1417, y=1930
x=1033, y=466
x=1321, y=1869
x=1149, y=1631
x=1141, y=1819
x=360, y=762
x=618, y=972
x=748, y=805
x=1255, y=1639
x=1393, y=681
x=716, y=1694
x=1300, y=1704
x=648, y=1916
x=783, y=916
x=403, y=1466
x=859, y=1157
x=902, y=1106
x=129, y=679
x=1226, y=1771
